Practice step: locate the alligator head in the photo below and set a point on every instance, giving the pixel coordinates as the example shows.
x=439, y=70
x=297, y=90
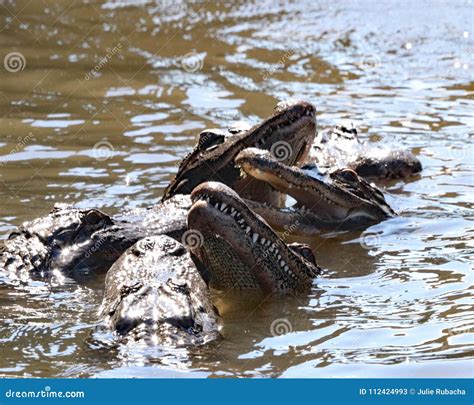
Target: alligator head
x=81, y=243
x=39, y=245
x=386, y=164
x=239, y=250
x=291, y=130
x=337, y=200
x=154, y=293
x=341, y=147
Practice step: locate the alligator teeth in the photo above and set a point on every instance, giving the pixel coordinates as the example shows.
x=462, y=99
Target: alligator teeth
x=282, y=263
x=255, y=237
x=286, y=268
x=262, y=241
x=279, y=257
x=223, y=205
x=248, y=229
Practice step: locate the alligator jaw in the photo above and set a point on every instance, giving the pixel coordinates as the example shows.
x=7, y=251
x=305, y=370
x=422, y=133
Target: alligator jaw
x=294, y=126
x=239, y=249
x=337, y=200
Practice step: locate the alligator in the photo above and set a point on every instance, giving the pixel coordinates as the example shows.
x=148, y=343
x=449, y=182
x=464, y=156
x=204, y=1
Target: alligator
x=158, y=289
x=240, y=251
x=333, y=200
x=340, y=147
x=289, y=133
x=81, y=243
x=85, y=242
x=154, y=293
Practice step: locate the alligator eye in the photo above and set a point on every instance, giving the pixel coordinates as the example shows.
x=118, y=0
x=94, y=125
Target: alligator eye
x=349, y=175
x=308, y=254
x=303, y=250
x=93, y=217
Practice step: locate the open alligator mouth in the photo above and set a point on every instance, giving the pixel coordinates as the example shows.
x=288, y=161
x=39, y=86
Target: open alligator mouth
x=324, y=201
x=292, y=128
x=239, y=250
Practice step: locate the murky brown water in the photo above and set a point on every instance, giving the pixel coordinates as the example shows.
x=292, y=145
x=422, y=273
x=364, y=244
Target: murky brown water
x=395, y=301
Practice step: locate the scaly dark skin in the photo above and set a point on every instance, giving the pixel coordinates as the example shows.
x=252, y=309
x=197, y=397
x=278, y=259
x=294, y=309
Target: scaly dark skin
x=213, y=159
x=337, y=200
x=81, y=243
x=154, y=293
x=340, y=147
x=84, y=242
x=240, y=251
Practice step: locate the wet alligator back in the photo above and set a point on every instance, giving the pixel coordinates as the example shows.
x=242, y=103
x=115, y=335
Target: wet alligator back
x=83, y=243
